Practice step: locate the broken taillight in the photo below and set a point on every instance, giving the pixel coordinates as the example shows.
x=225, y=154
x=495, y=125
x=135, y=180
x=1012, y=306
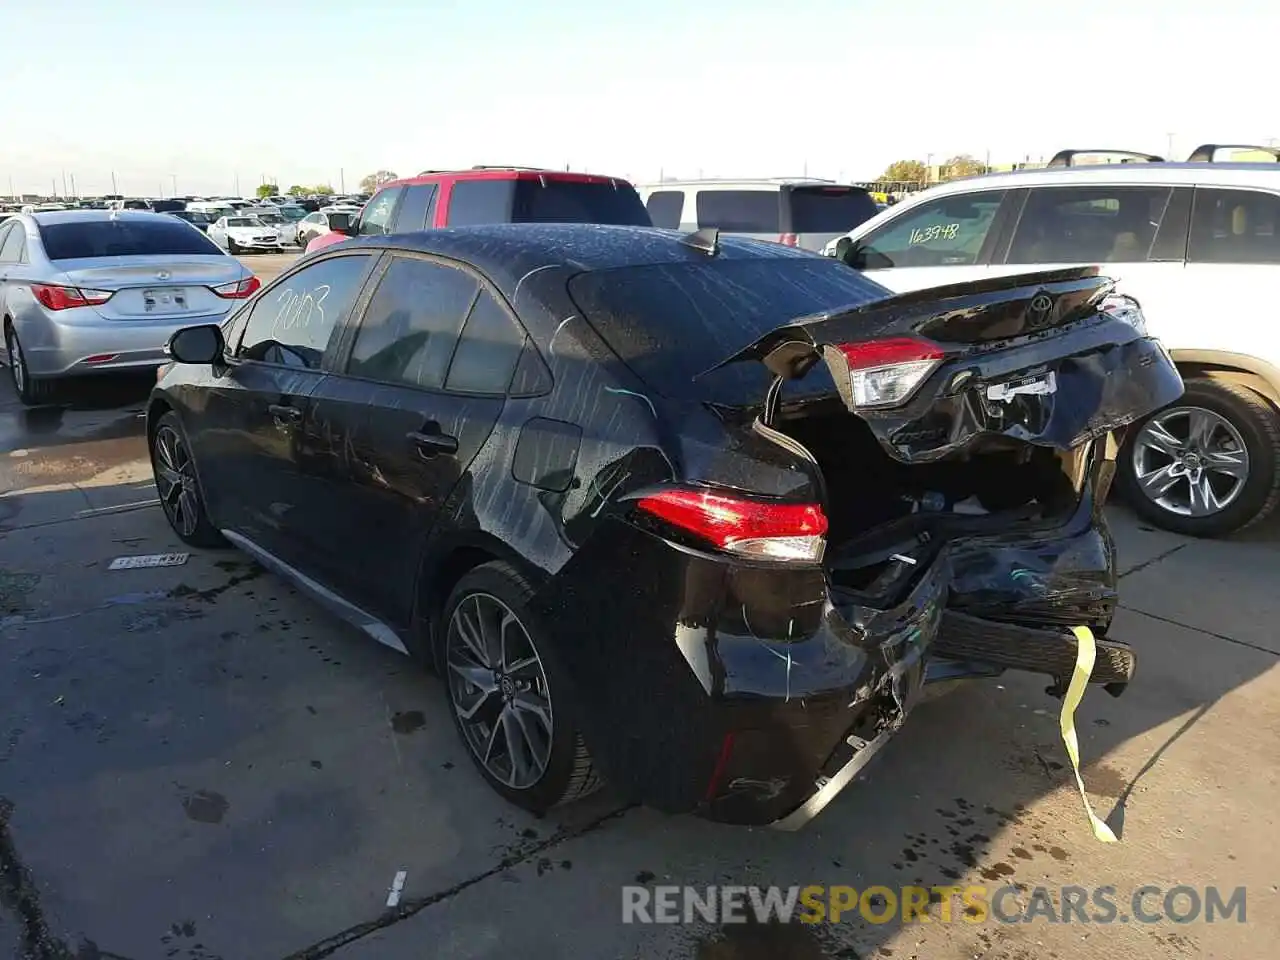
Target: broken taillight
x=753, y=528
x=885, y=373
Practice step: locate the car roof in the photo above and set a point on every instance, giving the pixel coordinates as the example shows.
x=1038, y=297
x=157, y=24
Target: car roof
x=82, y=216
x=506, y=252
x=502, y=173
x=755, y=182
x=1174, y=174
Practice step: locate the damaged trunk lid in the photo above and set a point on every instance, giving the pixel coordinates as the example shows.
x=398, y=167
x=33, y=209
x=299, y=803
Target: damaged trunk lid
x=1049, y=359
x=1006, y=395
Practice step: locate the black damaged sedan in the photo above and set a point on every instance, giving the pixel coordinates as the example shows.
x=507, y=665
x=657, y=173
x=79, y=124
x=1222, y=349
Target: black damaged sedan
x=692, y=515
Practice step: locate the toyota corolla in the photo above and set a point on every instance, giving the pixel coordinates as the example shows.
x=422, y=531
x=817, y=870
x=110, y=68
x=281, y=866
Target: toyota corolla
x=693, y=515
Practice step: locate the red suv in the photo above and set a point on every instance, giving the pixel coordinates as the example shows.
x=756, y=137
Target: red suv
x=482, y=195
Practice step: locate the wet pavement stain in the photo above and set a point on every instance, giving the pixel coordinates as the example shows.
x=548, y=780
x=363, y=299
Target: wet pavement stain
x=185, y=591
x=206, y=806
x=997, y=872
x=1104, y=781
x=14, y=590
x=408, y=721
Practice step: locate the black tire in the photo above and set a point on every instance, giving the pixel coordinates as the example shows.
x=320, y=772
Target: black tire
x=1257, y=424
x=186, y=513
x=32, y=391
x=233, y=248
x=568, y=773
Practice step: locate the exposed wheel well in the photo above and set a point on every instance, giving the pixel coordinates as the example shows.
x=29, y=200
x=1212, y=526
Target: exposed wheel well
x=1237, y=375
x=156, y=409
x=436, y=582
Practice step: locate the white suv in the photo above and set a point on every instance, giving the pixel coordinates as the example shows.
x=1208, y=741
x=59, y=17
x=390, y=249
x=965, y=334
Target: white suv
x=1196, y=243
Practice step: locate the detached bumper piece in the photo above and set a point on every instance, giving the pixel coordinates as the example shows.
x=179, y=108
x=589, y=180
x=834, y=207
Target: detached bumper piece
x=1050, y=651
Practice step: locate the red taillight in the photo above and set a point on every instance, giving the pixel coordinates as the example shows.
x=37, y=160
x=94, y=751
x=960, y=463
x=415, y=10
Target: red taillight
x=100, y=358
x=65, y=298
x=885, y=373
x=757, y=528
x=239, y=289
x=789, y=240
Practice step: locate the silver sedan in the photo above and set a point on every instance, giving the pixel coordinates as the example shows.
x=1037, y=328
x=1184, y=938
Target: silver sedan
x=94, y=291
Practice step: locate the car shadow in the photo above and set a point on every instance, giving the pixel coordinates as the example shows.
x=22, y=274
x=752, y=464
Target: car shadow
x=960, y=796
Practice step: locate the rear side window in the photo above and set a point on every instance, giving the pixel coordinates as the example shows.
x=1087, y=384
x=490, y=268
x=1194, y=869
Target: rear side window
x=488, y=351
x=477, y=202
x=950, y=231
x=375, y=220
x=1235, y=226
x=411, y=325
x=414, y=209
x=828, y=209
x=665, y=208
x=671, y=323
x=12, y=240
x=134, y=237
x=1088, y=224
x=550, y=200
x=740, y=211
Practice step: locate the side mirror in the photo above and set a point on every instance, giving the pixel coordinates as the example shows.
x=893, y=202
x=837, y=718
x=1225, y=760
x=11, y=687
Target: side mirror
x=202, y=344
x=342, y=223
x=850, y=252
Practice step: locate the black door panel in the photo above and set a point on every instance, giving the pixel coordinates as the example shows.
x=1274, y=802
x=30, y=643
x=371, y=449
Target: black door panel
x=406, y=450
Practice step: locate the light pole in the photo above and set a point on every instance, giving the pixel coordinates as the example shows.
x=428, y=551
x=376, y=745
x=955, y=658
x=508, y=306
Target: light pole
x=1169, y=146
x=173, y=178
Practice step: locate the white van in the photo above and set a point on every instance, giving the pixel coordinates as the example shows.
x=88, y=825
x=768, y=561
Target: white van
x=802, y=212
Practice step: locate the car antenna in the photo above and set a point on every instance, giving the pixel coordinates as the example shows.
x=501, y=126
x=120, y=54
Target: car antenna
x=707, y=240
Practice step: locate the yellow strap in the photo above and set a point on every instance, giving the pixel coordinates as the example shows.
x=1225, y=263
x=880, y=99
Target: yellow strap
x=1086, y=654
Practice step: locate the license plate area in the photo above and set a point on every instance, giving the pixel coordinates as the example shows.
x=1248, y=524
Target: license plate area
x=164, y=298
x=1038, y=385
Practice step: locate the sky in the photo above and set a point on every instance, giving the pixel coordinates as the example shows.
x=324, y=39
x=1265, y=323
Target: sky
x=211, y=97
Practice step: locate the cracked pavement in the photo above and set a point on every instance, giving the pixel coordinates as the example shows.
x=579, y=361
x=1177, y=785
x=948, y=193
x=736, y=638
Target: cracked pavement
x=196, y=763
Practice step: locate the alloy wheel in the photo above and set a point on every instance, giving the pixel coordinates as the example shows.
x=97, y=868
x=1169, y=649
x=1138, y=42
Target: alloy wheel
x=1190, y=461
x=498, y=690
x=176, y=481
x=17, y=365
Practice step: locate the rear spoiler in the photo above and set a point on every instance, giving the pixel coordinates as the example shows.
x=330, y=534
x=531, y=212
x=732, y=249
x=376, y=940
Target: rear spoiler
x=956, y=313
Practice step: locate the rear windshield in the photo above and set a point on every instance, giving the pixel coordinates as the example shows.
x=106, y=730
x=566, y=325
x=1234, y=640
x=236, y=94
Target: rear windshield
x=163, y=235
x=829, y=209
x=671, y=322
x=567, y=201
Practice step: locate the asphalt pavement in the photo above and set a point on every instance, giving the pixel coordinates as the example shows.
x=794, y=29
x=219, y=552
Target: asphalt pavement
x=197, y=763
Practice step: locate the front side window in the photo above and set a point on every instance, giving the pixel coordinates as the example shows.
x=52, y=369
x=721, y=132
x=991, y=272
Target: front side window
x=665, y=208
x=1235, y=226
x=1088, y=224
x=948, y=231
x=292, y=323
x=376, y=218
x=413, y=211
x=411, y=325
x=740, y=211
x=488, y=350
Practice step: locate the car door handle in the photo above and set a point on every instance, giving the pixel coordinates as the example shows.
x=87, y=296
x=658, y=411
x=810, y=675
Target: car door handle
x=430, y=444
x=288, y=414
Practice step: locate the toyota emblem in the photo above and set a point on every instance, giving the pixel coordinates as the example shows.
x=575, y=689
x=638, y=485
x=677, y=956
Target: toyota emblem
x=1038, y=310
x=163, y=274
